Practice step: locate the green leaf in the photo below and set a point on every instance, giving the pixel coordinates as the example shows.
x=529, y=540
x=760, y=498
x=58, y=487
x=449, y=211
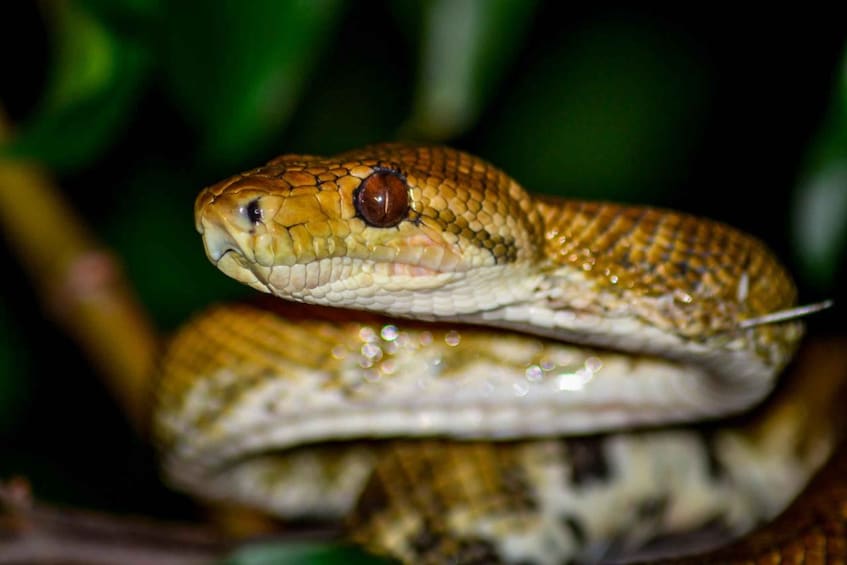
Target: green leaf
x=94, y=80
x=237, y=69
x=466, y=47
x=820, y=224
x=819, y=220
x=608, y=114
x=273, y=553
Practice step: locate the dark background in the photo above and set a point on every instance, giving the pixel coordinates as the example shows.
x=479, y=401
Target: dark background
x=727, y=113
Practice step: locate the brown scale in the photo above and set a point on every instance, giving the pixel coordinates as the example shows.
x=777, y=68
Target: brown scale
x=437, y=477
x=636, y=252
x=242, y=337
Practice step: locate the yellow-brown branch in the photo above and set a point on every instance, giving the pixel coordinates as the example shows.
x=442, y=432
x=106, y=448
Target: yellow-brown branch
x=80, y=283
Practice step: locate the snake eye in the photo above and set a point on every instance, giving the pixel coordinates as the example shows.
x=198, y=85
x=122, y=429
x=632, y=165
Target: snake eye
x=382, y=199
x=253, y=211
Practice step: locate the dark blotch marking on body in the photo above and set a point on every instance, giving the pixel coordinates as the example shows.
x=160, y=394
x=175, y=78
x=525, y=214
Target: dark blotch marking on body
x=652, y=508
x=515, y=483
x=707, y=535
x=714, y=466
x=576, y=529
x=433, y=545
x=373, y=500
x=587, y=459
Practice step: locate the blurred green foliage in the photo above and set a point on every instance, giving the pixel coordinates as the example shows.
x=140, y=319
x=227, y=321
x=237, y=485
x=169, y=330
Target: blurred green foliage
x=238, y=71
x=465, y=49
x=145, y=101
x=819, y=219
x=324, y=553
x=615, y=111
x=95, y=79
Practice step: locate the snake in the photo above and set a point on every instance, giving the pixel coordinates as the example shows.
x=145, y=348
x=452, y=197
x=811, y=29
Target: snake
x=463, y=371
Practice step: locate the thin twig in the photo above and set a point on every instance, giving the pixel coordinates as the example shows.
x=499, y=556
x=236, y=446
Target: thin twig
x=32, y=532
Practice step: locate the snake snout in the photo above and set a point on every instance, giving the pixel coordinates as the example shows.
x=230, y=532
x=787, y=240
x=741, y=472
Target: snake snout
x=228, y=222
x=233, y=257
x=218, y=234
x=217, y=241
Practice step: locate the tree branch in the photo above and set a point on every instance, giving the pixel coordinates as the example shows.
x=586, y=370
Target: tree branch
x=32, y=532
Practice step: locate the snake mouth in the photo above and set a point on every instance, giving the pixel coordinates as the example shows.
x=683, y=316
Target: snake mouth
x=233, y=264
x=320, y=279
x=347, y=276
x=215, y=255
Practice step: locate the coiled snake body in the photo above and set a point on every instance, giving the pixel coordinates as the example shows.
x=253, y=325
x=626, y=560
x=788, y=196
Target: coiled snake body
x=609, y=318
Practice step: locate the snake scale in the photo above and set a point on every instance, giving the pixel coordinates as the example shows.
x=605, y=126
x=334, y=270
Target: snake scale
x=493, y=378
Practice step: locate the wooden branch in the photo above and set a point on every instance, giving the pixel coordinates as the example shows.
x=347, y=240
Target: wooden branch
x=81, y=285
x=32, y=532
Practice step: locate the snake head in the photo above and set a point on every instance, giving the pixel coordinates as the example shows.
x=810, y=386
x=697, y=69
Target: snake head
x=405, y=229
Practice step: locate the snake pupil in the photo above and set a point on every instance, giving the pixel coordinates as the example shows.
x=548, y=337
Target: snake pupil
x=253, y=211
x=382, y=199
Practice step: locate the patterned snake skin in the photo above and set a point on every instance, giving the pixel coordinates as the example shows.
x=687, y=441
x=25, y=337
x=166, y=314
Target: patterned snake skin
x=610, y=318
